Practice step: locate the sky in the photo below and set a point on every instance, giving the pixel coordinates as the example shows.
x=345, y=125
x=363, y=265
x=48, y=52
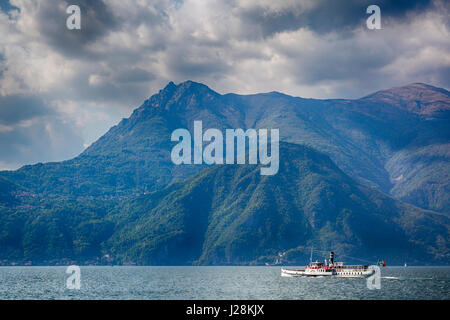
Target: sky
x=61, y=89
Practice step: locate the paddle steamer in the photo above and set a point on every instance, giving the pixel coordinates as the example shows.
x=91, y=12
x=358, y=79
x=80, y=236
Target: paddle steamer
x=330, y=268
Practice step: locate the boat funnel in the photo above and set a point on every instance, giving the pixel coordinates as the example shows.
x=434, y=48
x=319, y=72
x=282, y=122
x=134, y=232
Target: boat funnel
x=331, y=258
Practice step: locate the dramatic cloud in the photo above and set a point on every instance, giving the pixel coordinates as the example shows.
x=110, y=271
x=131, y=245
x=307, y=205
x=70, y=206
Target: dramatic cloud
x=14, y=109
x=32, y=130
x=65, y=84
x=267, y=18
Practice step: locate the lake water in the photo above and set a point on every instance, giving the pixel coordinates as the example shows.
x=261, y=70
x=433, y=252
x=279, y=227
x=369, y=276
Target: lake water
x=217, y=283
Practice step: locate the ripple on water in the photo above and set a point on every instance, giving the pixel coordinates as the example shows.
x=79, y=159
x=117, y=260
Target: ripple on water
x=217, y=283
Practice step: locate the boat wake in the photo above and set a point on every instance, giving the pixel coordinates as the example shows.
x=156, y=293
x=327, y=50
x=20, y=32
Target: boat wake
x=405, y=278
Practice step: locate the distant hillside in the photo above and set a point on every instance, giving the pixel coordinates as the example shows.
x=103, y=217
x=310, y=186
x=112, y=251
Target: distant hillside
x=230, y=214
x=7, y=192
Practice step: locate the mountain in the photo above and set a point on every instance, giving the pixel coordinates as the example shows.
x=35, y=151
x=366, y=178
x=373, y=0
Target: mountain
x=394, y=142
x=373, y=139
x=417, y=98
x=134, y=156
x=231, y=214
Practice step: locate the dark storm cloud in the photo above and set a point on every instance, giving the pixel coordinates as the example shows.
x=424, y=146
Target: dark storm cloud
x=97, y=20
x=196, y=63
x=125, y=86
x=46, y=139
x=134, y=75
x=31, y=130
x=59, y=85
x=16, y=108
x=325, y=16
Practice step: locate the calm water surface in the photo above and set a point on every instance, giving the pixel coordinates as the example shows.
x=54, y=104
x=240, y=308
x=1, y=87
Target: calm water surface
x=217, y=283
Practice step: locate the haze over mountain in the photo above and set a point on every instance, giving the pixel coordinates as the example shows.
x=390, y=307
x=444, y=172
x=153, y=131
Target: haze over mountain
x=394, y=141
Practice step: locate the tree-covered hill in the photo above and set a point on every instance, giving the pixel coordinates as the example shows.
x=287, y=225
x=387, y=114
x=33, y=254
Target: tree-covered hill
x=230, y=214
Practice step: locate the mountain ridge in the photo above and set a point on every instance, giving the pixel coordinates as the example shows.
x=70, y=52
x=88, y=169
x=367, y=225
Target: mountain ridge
x=362, y=136
x=230, y=214
x=387, y=148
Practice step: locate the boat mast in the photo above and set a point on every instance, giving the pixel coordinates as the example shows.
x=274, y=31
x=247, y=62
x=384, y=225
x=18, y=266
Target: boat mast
x=310, y=258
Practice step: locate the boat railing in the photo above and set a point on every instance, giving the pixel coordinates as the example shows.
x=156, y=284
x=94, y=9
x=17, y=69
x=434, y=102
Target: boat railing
x=353, y=267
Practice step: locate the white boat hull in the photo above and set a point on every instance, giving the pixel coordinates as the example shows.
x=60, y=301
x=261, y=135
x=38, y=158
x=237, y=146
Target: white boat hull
x=345, y=273
x=355, y=273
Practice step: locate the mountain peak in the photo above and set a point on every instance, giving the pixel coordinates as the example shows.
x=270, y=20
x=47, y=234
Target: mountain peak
x=192, y=86
x=418, y=98
x=184, y=86
x=183, y=94
x=170, y=86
